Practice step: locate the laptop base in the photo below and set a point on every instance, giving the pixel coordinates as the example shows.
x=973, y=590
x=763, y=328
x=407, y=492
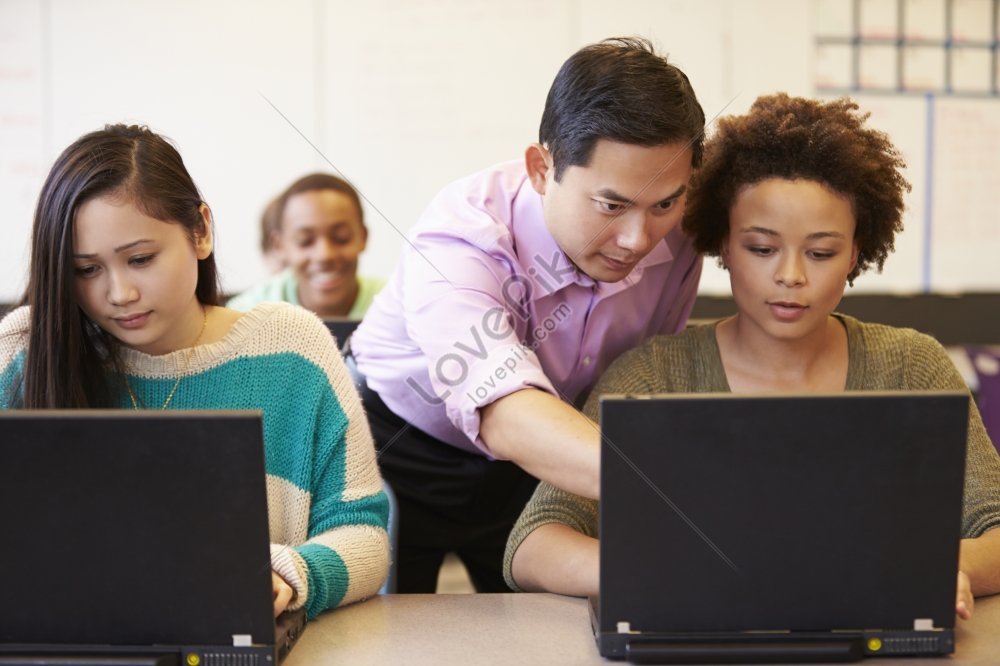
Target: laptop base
x=289, y=626
x=98, y=655
x=767, y=647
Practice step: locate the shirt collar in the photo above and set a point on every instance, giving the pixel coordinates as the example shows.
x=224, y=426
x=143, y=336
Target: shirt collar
x=540, y=257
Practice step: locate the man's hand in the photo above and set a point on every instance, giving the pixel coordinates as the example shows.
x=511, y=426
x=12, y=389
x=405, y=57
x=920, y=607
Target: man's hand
x=283, y=593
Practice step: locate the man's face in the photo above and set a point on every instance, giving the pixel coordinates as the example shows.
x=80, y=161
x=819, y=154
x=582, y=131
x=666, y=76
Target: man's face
x=608, y=215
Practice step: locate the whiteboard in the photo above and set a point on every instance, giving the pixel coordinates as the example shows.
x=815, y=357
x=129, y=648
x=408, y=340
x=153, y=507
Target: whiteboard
x=403, y=97
x=23, y=162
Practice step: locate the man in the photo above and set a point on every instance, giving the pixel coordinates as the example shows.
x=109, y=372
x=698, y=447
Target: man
x=521, y=284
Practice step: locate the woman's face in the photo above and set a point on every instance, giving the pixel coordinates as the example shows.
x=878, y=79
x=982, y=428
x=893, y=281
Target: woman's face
x=789, y=251
x=321, y=237
x=136, y=275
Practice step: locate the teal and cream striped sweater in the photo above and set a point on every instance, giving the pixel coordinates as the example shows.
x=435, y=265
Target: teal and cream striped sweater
x=326, y=509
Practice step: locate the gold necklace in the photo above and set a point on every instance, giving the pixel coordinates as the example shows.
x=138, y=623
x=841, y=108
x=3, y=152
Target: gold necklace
x=187, y=362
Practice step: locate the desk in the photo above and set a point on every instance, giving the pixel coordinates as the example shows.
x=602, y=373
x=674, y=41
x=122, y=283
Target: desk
x=522, y=629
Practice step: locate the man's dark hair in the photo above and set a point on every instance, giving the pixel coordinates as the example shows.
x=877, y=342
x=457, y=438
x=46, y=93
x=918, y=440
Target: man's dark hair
x=618, y=89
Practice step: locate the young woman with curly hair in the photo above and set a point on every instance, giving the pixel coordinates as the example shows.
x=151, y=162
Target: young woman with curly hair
x=796, y=198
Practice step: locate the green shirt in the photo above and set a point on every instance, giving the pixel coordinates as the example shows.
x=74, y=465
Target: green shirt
x=284, y=288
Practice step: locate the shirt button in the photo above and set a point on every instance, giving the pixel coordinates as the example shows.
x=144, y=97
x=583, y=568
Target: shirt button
x=586, y=360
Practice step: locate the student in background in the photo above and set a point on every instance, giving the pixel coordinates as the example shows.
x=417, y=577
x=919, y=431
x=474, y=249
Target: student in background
x=270, y=222
x=320, y=234
x=120, y=312
x=797, y=198
x=520, y=285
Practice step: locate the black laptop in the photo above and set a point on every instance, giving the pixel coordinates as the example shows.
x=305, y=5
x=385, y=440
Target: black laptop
x=136, y=538
x=740, y=528
x=341, y=329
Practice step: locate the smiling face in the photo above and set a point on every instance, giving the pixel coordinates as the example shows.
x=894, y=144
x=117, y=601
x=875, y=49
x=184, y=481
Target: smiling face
x=321, y=237
x=136, y=275
x=608, y=215
x=789, y=251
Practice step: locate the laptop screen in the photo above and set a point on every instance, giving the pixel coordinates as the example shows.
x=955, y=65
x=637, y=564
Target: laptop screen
x=735, y=513
x=134, y=528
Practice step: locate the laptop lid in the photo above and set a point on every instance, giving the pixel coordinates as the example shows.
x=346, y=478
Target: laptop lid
x=131, y=529
x=341, y=329
x=723, y=514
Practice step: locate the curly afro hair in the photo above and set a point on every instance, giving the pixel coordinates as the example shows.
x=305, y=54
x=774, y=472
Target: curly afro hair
x=796, y=138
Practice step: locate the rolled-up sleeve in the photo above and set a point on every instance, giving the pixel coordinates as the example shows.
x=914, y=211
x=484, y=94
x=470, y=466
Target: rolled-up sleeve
x=460, y=309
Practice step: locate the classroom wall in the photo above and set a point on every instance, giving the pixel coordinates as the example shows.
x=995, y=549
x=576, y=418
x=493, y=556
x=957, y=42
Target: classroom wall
x=402, y=97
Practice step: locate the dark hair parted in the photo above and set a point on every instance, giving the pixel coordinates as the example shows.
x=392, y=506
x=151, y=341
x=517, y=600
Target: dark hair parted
x=618, y=89
x=71, y=362
x=796, y=138
x=318, y=181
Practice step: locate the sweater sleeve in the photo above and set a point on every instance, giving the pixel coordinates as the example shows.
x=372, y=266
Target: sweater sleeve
x=345, y=556
x=13, y=345
x=547, y=505
x=929, y=367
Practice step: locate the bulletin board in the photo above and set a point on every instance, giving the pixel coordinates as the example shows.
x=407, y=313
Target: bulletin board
x=927, y=70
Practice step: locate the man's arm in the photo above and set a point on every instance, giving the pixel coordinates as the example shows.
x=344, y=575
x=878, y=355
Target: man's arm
x=547, y=438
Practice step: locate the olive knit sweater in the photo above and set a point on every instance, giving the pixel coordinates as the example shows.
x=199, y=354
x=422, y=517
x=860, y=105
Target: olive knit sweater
x=881, y=358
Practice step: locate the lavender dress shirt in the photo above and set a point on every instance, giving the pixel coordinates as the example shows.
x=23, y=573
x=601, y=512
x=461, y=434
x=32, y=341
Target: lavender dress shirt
x=484, y=303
